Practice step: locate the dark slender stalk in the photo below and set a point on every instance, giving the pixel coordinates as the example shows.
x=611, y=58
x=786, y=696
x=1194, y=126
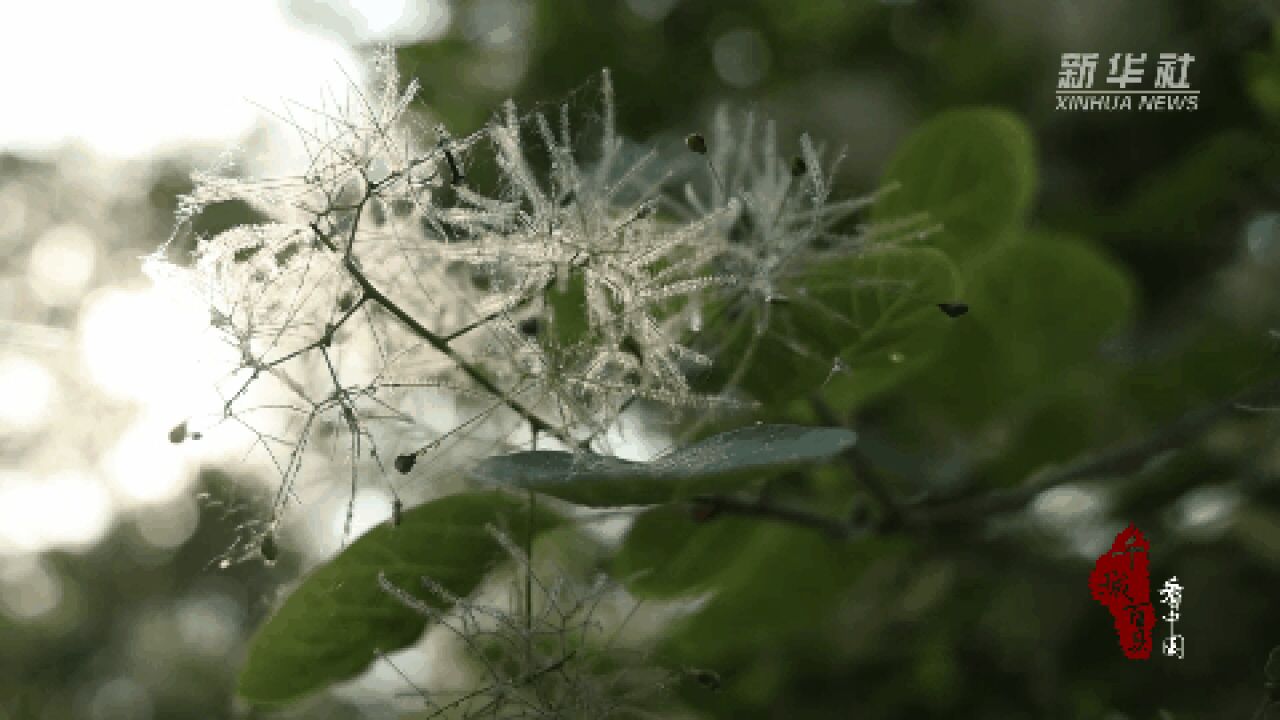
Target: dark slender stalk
x=895, y=514
x=1118, y=460
x=726, y=505
x=1115, y=461
x=441, y=344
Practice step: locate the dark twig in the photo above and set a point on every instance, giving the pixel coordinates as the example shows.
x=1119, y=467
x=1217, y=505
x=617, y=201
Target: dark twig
x=895, y=514
x=1119, y=460
x=440, y=343
x=726, y=505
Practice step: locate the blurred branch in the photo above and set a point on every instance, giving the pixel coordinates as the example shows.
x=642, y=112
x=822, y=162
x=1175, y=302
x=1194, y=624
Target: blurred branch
x=1112, y=462
x=709, y=506
x=895, y=514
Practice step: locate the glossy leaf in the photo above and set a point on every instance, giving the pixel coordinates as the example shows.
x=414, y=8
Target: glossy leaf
x=667, y=553
x=330, y=628
x=972, y=170
x=719, y=462
x=861, y=325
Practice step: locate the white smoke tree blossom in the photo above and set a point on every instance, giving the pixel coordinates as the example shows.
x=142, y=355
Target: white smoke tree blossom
x=438, y=299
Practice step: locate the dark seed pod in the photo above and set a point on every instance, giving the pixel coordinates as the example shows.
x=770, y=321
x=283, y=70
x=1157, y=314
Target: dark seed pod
x=244, y=254
x=530, y=326
x=404, y=463
x=178, y=433
x=286, y=253
x=629, y=345
x=706, y=678
x=696, y=143
x=798, y=167
x=953, y=309
x=270, y=551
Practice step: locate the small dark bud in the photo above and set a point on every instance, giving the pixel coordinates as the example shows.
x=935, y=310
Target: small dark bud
x=286, y=253
x=696, y=143
x=530, y=326
x=245, y=253
x=798, y=167
x=270, y=551
x=953, y=309
x=404, y=463
x=178, y=433
x=629, y=345
x=706, y=678
x=703, y=511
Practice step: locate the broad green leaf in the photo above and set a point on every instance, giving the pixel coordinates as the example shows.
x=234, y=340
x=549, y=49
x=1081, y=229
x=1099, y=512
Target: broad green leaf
x=1039, y=306
x=568, y=309
x=719, y=462
x=329, y=628
x=785, y=582
x=899, y=324
x=666, y=553
x=1050, y=301
x=855, y=328
x=973, y=170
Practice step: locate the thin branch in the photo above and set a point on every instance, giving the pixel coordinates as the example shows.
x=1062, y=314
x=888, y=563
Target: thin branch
x=1119, y=460
x=714, y=505
x=895, y=514
x=439, y=343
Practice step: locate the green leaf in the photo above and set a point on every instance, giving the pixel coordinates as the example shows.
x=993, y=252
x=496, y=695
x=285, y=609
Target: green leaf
x=568, y=311
x=720, y=462
x=971, y=169
x=1039, y=306
x=666, y=553
x=785, y=583
x=877, y=313
x=1050, y=301
x=898, y=324
x=329, y=628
